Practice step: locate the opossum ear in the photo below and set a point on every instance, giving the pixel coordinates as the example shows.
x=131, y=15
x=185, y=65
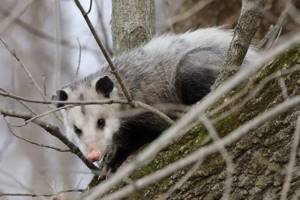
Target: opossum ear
x=104, y=86
x=61, y=95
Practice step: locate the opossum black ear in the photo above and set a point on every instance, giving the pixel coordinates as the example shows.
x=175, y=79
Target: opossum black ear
x=104, y=86
x=61, y=95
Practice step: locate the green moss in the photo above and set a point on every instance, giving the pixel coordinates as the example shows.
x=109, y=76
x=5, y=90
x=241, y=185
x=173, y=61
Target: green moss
x=284, y=61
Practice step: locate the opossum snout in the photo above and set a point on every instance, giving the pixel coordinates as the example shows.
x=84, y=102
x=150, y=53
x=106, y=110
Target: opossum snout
x=93, y=153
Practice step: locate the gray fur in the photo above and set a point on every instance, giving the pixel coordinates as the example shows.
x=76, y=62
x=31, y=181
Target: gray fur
x=149, y=72
x=177, y=69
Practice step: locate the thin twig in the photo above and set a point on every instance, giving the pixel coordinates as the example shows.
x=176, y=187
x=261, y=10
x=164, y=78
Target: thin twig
x=102, y=26
x=79, y=60
x=43, y=35
x=194, y=9
x=43, y=114
x=54, y=131
x=114, y=70
x=18, y=11
x=294, y=13
x=109, y=101
x=28, y=73
x=90, y=8
x=44, y=84
x=252, y=94
x=292, y=162
x=270, y=38
x=283, y=88
x=230, y=166
x=22, y=103
x=34, y=143
x=40, y=195
x=153, y=110
x=11, y=176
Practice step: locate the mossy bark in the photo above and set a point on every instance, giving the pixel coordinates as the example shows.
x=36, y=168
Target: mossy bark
x=260, y=157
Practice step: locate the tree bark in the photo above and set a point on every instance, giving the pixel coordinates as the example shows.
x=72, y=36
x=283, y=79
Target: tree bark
x=260, y=158
x=243, y=33
x=132, y=23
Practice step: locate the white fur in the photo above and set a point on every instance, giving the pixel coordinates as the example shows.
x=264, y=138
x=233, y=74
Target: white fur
x=87, y=122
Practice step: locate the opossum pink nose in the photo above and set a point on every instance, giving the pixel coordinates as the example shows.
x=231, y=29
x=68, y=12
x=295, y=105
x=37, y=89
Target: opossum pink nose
x=94, y=155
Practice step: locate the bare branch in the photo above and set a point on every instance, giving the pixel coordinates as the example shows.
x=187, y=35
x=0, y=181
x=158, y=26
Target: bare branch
x=18, y=11
x=194, y=9
x=54, y=131
x=11, y=176
x=283, y=88
x=243, y=34
x=230, y=166
x=28, y=73
x=294, y=13
x=34, y=143
x=21, y=102
x=44, y=35
x=114, y=70
x=99, y=8
x=79, y=60
x=90, y=7
x=109, y=101
x=252, y=94
x=40, y=195
x=292, y=162
x=274, y=32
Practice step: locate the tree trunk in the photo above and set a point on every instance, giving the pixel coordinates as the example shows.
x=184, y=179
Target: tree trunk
x=260, y=157
x=132, y=23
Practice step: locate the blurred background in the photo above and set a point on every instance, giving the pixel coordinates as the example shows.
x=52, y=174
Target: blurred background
x=55, y=46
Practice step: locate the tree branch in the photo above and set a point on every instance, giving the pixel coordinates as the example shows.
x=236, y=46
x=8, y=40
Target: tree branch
x=34, y=143
x=243, y=34
x=44, y=35
x=114, y=70
x=76, y=103
x=54, y=131
x=40, y=195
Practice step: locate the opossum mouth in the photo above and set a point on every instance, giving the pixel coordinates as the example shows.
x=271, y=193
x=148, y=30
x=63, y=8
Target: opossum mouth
x=94, y=155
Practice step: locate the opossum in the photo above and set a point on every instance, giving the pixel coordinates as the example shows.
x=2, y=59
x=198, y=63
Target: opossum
x=169, y=69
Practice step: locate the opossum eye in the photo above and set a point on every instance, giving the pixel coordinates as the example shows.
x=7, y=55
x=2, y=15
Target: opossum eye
x=101, y=123
x=77, y=131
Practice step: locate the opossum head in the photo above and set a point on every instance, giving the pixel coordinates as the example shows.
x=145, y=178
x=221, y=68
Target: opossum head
x=91, y=127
